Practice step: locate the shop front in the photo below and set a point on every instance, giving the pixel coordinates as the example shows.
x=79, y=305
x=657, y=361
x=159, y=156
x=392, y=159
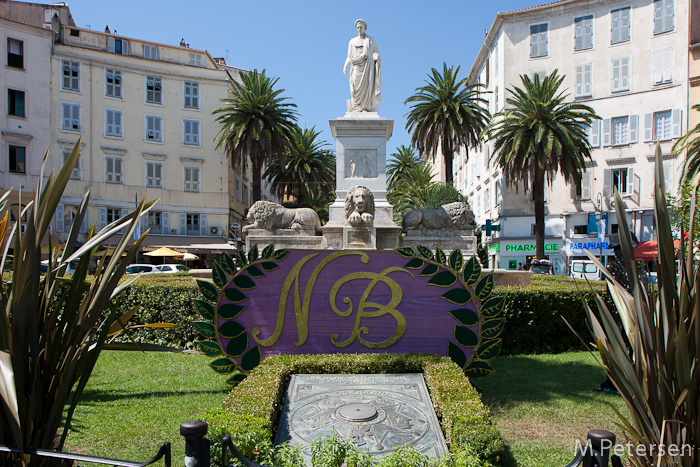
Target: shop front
x=517, y=254
x=576, y=248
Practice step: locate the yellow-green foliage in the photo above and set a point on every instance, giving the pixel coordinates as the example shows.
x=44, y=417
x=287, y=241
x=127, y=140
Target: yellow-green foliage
x=249, y=411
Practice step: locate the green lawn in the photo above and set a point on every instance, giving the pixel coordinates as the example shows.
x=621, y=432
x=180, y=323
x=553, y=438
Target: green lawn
x=135, y=401
x=543, y=403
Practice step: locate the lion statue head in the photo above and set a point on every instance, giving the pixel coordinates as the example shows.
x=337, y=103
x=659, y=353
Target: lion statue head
x=359, y=206
x=462, y=216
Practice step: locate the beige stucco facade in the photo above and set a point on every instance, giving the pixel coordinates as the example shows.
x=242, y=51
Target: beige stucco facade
x=143, y=112
x=636, y=82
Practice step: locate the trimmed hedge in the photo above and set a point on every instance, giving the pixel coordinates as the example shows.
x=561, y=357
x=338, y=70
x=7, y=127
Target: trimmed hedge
x=162, y=299
x=533, y=314
x=252, y=409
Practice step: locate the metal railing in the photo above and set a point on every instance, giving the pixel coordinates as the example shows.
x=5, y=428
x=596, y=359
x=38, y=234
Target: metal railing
x=163, y=453
x=595, y=453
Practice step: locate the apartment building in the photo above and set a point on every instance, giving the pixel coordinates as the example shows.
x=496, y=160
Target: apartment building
x=24, y=125
x=143, y=113
x=628, y=60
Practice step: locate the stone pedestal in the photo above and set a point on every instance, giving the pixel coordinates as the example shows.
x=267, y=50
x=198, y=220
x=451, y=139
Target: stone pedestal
x=284, y=238
x=361, y=139
x=447, y=240
x=359, y=238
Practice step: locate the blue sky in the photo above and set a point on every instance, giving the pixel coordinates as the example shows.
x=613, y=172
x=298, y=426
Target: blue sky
x=304, y=43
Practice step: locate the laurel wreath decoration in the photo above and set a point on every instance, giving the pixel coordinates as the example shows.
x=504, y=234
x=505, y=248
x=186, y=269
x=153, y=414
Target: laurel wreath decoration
x=226, y=340
x=235, y=358
x=472, y=289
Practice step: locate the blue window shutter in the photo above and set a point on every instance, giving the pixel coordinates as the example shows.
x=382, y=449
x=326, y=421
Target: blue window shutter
x=83, y=226
x=59, y=218
x=102, y=218
x=606, y=132
x=607, y=183
x=634, y=124
x=676, y=123
x=595, y=134
x=203, y=225
x=183, y=223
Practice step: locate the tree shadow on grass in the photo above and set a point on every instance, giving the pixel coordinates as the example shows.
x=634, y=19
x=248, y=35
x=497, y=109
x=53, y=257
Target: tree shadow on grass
x=97, y=396
x=532, y=378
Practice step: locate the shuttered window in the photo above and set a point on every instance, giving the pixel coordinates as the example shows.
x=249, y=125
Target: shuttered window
x=154, y=126
x=620, y=74
x=584, y=80
x=583, y=32
x=663, y=16
x=620, y=25
x=538, y=40
x=191, y=94
x=113, y=123
x=154, y=174
x=70, y=116
x=113, y=83
x=663, y=66
x=191, y=178
x=190, y=132
x=114, y=169
x=71, y=75
x=154, y=90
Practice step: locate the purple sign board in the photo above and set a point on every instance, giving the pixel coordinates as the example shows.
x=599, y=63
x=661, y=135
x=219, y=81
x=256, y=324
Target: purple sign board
x=325, y=301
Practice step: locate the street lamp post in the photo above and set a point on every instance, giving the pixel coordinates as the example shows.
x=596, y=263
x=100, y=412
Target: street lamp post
x=600, y=223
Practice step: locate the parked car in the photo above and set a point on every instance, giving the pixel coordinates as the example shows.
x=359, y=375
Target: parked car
x=141, y=269
x=582, y=269
x=172, y=268
x=70, y=267
x=541, y=266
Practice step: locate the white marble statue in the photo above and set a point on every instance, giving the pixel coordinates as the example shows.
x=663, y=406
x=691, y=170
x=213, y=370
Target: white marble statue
x=365, y=71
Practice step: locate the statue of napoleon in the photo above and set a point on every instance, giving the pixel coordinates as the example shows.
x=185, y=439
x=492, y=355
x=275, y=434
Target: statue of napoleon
x=365, y=73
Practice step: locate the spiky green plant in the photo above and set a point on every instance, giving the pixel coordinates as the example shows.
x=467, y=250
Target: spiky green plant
x=53, y=327
x=658, y=372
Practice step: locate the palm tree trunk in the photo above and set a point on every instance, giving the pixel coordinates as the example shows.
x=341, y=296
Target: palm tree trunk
x=538, y=191
x=448, y=156
x=257, y=183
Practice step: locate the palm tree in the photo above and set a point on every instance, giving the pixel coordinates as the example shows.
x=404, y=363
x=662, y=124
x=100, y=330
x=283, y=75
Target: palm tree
x=413, y=191
x=256, y=123
x=448, y=113
x=690, y=143
x=307, y=171
x=538, y=136
x=405, y=158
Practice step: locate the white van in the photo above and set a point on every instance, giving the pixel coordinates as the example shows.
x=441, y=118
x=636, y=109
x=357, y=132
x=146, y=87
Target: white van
x=583, y=269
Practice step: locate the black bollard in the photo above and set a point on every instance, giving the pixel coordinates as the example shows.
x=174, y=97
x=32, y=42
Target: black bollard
x=598, y=452
x=196, y=445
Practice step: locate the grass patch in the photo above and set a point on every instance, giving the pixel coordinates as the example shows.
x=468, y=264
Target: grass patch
x=542, y=404
x=135, y=401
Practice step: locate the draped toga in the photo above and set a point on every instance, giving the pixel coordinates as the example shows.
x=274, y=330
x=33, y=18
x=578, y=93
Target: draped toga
x=365, y=74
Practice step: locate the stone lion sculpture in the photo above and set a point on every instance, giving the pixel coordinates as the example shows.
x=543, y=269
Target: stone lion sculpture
x=452, y=216
x=268, y=215
x=359, y=206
